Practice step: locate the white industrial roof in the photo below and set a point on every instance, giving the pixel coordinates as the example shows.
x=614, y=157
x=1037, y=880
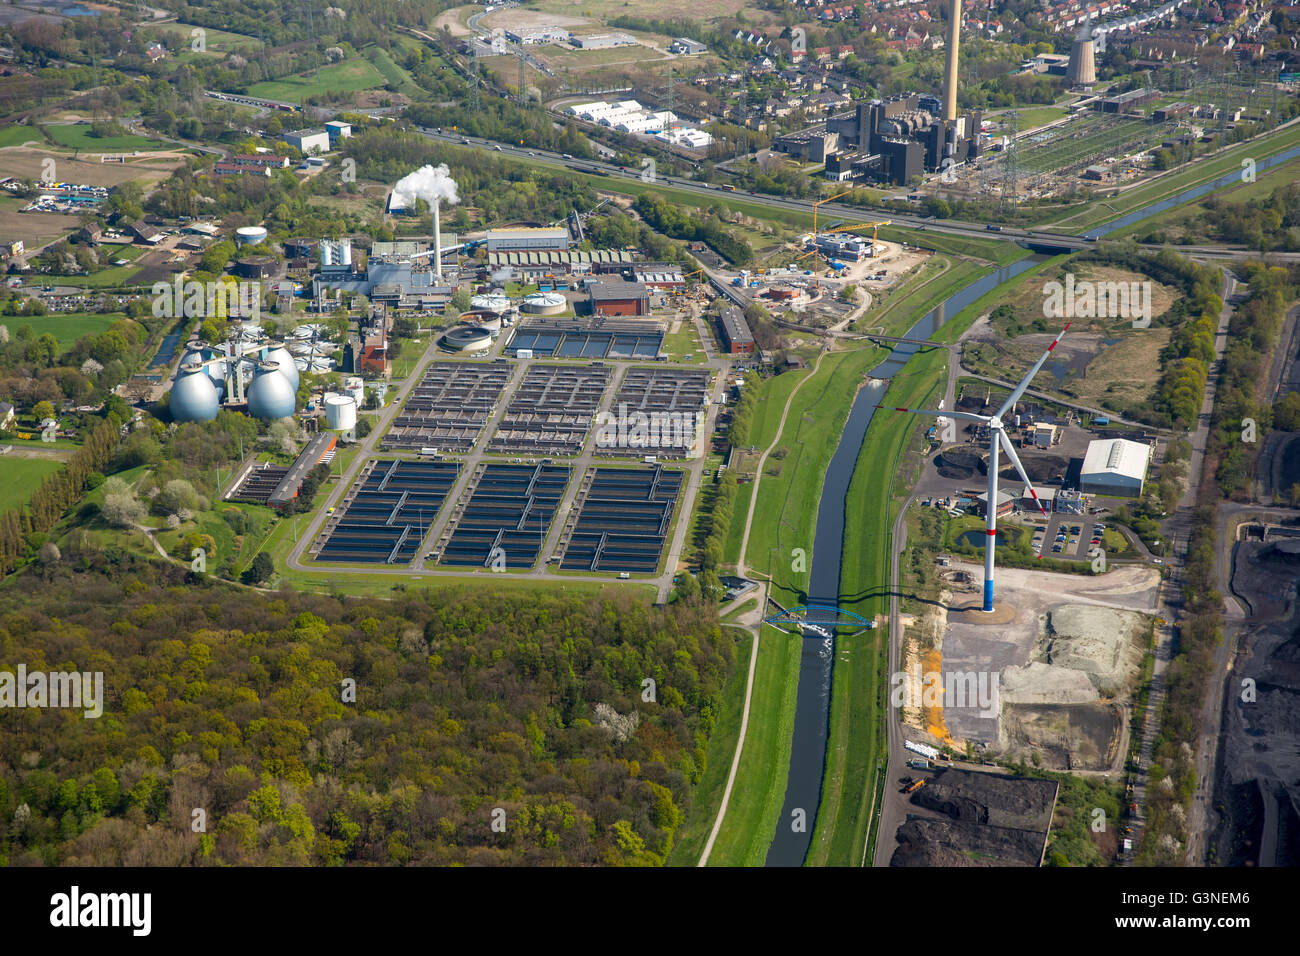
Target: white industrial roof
x=1117, y=456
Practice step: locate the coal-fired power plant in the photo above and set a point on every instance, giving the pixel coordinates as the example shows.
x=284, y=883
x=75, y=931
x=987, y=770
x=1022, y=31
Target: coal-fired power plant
x=895, y=140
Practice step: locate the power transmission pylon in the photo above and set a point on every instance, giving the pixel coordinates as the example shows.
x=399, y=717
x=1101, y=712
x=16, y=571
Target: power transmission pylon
x=1010, y=162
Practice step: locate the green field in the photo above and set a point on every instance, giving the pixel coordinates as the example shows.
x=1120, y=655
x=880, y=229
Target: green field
x=395, y=75
x=111, y=278
x=67, y=328
x=350, y=76
x=17, y=135
x=759, y=790
x=78, y=137
x=707, y=796
x=22, y=477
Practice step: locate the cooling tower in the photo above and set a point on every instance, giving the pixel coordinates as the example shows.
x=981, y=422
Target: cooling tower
x=1083, y=67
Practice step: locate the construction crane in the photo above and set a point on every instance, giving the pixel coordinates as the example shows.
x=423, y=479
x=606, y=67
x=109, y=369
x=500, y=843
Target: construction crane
x=816, y=205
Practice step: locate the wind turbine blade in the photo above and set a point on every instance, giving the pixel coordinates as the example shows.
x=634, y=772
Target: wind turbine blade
x=1015, y=460
x=965, y=416
x=1024, y=382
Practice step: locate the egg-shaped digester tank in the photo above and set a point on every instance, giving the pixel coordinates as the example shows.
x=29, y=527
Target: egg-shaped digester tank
x=194, y=398
x=270, y=395
x=282, y=357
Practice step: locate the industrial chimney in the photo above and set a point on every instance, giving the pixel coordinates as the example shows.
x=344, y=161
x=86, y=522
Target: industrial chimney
x=950, y=71
x=437, y=240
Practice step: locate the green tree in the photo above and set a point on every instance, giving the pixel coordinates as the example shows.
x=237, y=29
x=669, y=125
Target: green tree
x=261, y=569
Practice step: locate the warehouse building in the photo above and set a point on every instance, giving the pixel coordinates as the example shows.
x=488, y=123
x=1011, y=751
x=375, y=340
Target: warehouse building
x=601, y=41
x=1115, y=466
x=308, y=141
x=554, y=238
x=737, y=339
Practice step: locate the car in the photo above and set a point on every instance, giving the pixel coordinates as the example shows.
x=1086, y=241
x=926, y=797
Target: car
x=1056, y=549
x=1095, y=541
x=497, y=148
x=531, y=153
x=464, y=141
x=623, y=575
x=1157, y=561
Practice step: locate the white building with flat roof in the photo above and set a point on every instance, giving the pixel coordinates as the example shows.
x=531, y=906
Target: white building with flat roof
x=309, y=140
x=1115, y=466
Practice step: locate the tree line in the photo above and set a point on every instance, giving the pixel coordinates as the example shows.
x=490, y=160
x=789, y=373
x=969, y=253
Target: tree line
x=22, y=530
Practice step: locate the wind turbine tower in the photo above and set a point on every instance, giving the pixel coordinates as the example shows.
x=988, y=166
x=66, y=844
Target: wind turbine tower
x=998, y=441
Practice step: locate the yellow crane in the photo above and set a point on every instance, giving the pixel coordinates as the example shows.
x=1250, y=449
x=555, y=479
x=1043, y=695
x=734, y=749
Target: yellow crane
x=873, y=226
x=817, y=205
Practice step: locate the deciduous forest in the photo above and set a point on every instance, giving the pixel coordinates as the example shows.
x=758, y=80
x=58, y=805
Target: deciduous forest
x=231, y=735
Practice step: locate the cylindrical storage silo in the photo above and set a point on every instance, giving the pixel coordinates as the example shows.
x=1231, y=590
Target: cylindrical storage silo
x=340, y=413
x=249, y=235
x=194, y=398
x=282, y=357
x=270, y=395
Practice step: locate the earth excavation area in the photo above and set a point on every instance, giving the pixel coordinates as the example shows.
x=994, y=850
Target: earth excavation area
x=1055, y=666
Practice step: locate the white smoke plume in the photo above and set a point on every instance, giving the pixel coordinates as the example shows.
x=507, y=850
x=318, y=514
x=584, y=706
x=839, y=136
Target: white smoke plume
x=429, y=183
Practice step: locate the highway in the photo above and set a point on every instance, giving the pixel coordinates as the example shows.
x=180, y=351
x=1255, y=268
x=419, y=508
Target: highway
x=1039, y=239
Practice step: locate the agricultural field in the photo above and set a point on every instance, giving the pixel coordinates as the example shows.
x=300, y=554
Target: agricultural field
x=350, y=76
x=22, y=477
x=35, y=229
x=77, y=136
x=29, y=162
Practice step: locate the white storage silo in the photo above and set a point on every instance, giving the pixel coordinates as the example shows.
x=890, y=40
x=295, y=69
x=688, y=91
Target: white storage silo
x=340, y=413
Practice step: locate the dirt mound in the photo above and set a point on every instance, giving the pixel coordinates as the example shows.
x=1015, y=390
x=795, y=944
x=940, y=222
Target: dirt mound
x=1045, y=468
x=961, y=464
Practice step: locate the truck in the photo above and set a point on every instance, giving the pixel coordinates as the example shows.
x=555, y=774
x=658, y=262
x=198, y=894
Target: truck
x=914, y=786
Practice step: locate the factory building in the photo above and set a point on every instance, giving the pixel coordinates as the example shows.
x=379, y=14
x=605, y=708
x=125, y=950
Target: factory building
x=601, y=41
x=308, y=141
x=338, y=130
x=1125, y=102
x=685, y=46
x=1115, y=466
x=737, y=339
x=318, y=451
x=618, y=297
x=555, y=238
x=895, y=139
x=336, y=257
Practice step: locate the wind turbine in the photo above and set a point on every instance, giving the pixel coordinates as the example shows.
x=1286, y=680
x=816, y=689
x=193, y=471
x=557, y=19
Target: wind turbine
x=997, y=437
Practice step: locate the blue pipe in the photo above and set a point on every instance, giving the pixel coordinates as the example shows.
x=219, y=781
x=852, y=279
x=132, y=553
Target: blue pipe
x=988, y=595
